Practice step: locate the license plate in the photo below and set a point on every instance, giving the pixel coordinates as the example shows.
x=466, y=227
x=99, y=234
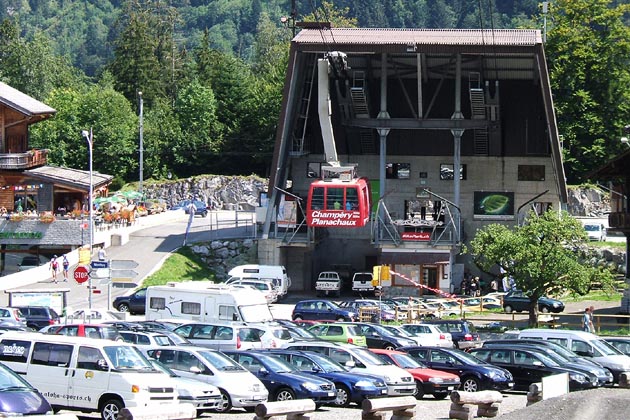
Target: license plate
x=450, y=388
x=383, y=391
x=331, y=394
x=511, y=384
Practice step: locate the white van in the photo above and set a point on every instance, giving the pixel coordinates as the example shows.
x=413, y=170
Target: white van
x=584, y=344
x=276, y=273
x=85, y=374
x=205, y=301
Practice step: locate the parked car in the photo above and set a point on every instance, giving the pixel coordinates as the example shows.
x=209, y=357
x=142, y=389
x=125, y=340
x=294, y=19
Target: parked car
x=283, y=380
x=102, y=331
x=201, y=208
x=238, y=387
x=528, y=366
x=429, y=335
x=373, y=307
x=18, y=397
x=12, y=316
x=221, y=336
x=200, y=394
x=379, y=337
x=339, y=333
x=300, y=334
x=620, y=343
x=274, y=336
x=361, y=360
x=134, y=303
x=351, y=386
x=362, y=283
x=397, y=329
x=320, y=309
x=145, y=340
x=38, y=317
x=428, y=381
x=475, y=374
x=518, y=301
x=463, y=333
x=603, y=375
x=32, y=261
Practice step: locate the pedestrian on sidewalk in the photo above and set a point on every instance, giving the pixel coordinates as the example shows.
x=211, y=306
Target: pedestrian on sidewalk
x=587, y=324
x=54, y=266
x=66, y=264
x=102, y=255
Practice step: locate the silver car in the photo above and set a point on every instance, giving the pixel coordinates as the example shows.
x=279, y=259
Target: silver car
x=11, y=317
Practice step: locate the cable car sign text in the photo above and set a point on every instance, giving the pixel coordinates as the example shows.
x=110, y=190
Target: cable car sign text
x=335, y=218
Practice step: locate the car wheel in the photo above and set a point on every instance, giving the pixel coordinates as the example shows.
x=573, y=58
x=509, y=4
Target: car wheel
x=204, y=214
x=298, y=318
x=285, y=394
x=440, y=395
x=389, y=346
x=123, y=307
x=508, y=309
x=226, y=403
x=343, y=396
x=544, y=310
x=470, y=384
x=419, y=392
x=111, y=409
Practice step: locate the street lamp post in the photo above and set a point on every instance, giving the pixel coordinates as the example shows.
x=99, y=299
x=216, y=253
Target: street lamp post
x=89, y=138
x=141, y=148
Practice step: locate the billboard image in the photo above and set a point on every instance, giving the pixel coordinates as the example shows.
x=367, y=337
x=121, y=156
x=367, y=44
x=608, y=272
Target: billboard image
x=494, y=205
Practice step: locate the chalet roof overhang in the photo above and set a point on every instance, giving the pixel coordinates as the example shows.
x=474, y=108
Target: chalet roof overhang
x=24, y=104
x=616, y=168
x=69, y=177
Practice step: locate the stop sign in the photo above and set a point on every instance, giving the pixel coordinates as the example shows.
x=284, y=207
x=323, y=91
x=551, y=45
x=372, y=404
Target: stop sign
x=81, y=274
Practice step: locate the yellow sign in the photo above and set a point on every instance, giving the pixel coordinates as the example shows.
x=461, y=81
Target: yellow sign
x=376, y=276
x=84, y=256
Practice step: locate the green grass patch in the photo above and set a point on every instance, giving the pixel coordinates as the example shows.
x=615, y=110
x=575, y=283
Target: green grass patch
x=597, y=295
x=182, y=265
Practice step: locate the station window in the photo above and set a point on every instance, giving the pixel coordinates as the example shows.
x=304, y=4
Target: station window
x=398, y=170
x=531, y=172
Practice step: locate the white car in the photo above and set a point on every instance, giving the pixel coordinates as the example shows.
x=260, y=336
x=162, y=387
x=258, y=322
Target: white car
x=146, y=340
x=238, y=387
x=198, y=393
x=429, y=335
x=274, y=337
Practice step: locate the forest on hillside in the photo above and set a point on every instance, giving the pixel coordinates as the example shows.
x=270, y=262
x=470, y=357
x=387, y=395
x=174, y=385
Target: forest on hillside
x=211, y=73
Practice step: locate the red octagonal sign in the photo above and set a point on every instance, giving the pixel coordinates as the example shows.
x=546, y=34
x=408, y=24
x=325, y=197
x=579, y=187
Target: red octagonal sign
x=81, y=274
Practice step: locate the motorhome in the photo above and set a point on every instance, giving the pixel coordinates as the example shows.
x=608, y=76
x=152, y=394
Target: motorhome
x=205, y=301
x=276, y=273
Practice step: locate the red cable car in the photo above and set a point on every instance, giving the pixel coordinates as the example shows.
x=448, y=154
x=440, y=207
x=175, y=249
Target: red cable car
x=338, y=203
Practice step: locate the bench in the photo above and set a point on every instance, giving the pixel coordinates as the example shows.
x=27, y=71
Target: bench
x=402, y=408
x=293, y=409
x=463, y=403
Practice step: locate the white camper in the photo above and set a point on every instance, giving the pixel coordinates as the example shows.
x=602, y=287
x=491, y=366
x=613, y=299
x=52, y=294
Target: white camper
x=275, y=273
x=205, y=301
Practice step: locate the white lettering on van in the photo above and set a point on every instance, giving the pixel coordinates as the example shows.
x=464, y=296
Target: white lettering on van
x=13, y=350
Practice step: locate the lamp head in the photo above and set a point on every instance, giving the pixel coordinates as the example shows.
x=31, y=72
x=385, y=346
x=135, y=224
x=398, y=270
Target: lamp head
x=625, y=141
x=85, y=134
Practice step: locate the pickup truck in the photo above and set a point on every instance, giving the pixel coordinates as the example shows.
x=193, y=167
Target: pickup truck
x=362, y=282
x=328, y=284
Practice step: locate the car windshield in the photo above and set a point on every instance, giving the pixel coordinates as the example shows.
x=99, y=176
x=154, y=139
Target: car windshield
x=383, y=331
x=220, y=361
x=605, y=347
x=277, y=365
x=163, y=368
x=161, y=340
x=466, y=358
x=126, y=358
x=407, y=362
x=367, y=357
x=300, y=333
x=281, y=333
x=397, y=331
x=354, y=330
x=255, y=313
x=327, y=364
x=11, y=380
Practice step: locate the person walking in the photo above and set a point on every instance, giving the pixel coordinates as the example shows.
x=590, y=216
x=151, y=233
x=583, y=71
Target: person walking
x=474, y=286
x=54, y=266
x=587, y=324
x=102, y=255
x=66, y=265
x=591, y=313
x=494, y=286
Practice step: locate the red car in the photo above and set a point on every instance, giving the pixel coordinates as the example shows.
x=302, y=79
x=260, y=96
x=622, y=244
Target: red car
x=428, y=381
x=107, y=332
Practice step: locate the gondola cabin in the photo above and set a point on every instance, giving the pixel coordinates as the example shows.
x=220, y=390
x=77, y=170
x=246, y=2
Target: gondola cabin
x=338, y=203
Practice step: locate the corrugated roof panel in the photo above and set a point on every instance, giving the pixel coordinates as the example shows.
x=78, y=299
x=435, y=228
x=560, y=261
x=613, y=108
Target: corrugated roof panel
x=21, y=102
x=368, y=36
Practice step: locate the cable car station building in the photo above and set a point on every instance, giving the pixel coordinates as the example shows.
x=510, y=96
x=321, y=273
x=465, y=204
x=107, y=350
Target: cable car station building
x=453, y=130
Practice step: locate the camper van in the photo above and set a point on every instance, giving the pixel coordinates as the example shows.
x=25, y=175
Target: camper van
x=205, y=301
x=276, y=273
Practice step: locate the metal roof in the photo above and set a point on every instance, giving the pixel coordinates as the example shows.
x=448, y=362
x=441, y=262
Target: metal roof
x=72, y=177
x=420, y=37
x=22, y=103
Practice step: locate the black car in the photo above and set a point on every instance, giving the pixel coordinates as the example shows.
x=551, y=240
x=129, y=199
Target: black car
x=475, y=374
x=38, y=317
x=351, y=386
x=321, y=310
x=133, y=303
x=620, y=343
x=528, y=366
x=463, y=333
x=284, y=381
x=518, y=301
x=560, y=354
x=379, y=337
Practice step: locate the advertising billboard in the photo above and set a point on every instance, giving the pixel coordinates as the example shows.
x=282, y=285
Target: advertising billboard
x=492, y=205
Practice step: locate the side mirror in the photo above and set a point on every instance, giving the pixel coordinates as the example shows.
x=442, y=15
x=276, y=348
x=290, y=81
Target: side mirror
x=315, y=369
x=195, y=370
x=102, y=364
x=537, y=363
x=263, y=372
x=350, y=364
x=328, y=308
x=450, y=364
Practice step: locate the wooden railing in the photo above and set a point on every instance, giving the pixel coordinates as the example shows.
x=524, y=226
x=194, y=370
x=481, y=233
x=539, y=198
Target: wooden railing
x=25, y=160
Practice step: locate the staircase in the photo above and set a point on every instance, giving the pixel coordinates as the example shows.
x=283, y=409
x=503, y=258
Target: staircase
x=478, y=110
x=298, y=148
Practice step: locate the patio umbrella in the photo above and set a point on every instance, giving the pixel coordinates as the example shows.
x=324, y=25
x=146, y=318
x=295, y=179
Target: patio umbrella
x=130, y=195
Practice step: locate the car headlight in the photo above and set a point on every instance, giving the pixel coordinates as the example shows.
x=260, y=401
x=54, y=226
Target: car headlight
x=556, y=304
x=493, y=374
x=578, y=377
x=310, y=386
x=363, y=384
x=387, y=378
x=436, y=380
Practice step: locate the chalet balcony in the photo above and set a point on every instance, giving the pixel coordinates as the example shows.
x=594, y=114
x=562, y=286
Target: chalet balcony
x=619, y=221
x=25, y=160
